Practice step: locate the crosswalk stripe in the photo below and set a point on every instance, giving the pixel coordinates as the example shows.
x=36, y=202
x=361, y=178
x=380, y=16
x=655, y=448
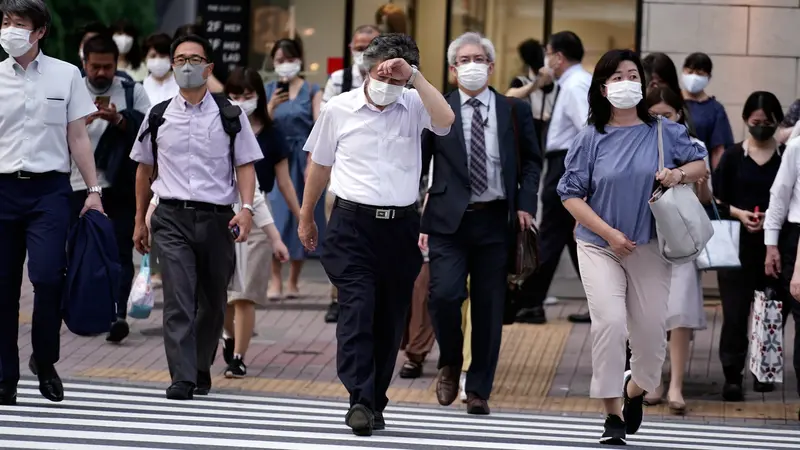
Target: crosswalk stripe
x=122, y=417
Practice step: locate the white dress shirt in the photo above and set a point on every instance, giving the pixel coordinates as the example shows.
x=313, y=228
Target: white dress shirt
x=495, y=189
x=571, y=110
x=35, y=107
x=784, y=196
x=376, y=155
x=334, y=85
x=159, y=91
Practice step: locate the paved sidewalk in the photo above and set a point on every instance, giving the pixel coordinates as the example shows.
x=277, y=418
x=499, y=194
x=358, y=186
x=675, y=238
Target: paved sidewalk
x=542, y=368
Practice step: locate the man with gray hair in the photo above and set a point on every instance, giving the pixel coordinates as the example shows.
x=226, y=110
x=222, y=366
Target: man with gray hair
x=484, y=189
x=368, y=141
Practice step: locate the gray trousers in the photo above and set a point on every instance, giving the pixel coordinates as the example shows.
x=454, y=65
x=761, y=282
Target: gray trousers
x=197, y=263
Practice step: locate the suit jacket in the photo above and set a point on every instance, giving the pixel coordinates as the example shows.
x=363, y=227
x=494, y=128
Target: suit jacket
x=450, y=192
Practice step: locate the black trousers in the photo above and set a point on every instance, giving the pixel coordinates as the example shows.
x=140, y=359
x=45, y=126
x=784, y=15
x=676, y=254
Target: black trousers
x=120, y=207
x=34, y=219
x=787, y=246
x=479, y=248
x=556, y=232
x=197, y=261
x=373, y=263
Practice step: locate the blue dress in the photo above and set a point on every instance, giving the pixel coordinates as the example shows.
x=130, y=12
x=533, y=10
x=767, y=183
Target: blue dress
x=295, y=119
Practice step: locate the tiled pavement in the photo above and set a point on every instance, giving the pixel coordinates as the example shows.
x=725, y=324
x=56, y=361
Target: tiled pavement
x=542, y=368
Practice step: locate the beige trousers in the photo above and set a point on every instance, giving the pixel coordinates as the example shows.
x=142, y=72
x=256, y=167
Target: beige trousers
x=628, y=299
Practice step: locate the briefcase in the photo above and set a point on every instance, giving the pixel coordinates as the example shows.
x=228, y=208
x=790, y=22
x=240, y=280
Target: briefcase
x=525, y=257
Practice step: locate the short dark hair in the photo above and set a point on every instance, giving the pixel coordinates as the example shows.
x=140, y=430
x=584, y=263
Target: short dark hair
x=664, y=94
x=34, y=10
x=532, y=54
x=600, y=111
x=203, y=42
x=160, y=42
x=766, y=101
x=367, y=29
x=661, y=65
x=100, y=44
x=698, y=61
x=390, y=46
x=289, y=47
x=246, y=79
x=568, y=44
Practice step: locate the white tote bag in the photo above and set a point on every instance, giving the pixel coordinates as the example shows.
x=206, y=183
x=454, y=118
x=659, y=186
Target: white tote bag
x=722, y=251
x=682, y=225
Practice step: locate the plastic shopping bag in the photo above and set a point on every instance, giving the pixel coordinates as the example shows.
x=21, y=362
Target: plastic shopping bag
x=766, y=338
x=141, y=300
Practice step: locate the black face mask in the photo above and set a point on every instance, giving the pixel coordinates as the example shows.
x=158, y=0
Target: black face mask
x=762, y=132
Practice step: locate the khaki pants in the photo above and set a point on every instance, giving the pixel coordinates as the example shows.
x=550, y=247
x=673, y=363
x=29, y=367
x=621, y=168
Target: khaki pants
x=419, y=336
x=466, y=330
x=628, y=299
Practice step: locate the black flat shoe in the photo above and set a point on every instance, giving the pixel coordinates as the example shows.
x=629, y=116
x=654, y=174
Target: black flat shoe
x=332, y=316
x=733, y=392
x=50, y=385
x=119, y=331
x=361, y=420
x=227, y=349
x=8, y=395
x=632, y=408
x=182, y=390
x=410, y=370
x=203, y=383
x=534, y=316
x=580, y=318
x=378, y=422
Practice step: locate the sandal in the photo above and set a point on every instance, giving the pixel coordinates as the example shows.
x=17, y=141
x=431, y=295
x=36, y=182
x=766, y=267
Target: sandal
x=411, y=369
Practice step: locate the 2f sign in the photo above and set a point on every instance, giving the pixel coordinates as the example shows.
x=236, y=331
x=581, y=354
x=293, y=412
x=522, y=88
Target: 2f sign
x=213, y=26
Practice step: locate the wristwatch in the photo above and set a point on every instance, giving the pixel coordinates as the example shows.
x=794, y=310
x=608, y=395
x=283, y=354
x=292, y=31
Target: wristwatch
x=414, y=72
x=683, y=174
x=96, y=190
x=249, y=207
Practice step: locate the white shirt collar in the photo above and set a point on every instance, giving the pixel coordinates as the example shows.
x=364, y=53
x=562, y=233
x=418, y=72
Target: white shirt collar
x=483, y=97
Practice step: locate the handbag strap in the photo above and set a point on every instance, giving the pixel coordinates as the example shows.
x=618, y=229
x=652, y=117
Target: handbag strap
x=660, y=147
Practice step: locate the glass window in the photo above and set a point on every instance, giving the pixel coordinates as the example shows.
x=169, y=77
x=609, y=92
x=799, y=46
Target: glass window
x=602, y=26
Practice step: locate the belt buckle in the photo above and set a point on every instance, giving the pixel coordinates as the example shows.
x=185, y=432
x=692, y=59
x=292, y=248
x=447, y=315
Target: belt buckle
x=20, y=176
x=384, y=213
x=186, y=205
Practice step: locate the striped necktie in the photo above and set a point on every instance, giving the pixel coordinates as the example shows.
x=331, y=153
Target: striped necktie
x=478, y=178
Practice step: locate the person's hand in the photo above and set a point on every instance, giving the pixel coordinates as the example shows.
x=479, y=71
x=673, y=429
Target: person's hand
x=752, y=221
x=525, y=220
x=108, y=113
x=422, y=243
x=307, y=231
x=620, y=244
x=244, y=219
x=141, y=238
x=396, y=69
x=772, y=263
x=278, y=97
x=704, y=179
x=280, y=251
x=94, y=202
x=669, y=177
x=794, y=286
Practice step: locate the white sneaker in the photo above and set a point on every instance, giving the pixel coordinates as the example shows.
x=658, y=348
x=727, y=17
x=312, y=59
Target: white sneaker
x=550, y=301
x=462, y=384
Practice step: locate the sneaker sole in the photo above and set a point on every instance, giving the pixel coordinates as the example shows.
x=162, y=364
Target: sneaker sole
x=230, y=375
x=613, y=441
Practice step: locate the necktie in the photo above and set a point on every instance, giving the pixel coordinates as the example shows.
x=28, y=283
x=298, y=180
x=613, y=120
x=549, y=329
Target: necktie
x=478, y=178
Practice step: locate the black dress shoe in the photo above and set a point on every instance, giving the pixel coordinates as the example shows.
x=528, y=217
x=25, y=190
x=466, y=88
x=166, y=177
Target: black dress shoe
x=532, y=315
x=119, y=331
x=580, y=318
x=203, y=383
x=361, y=420
x=732, y=392
x=182, y=390
x=49, y=382
x=378, y=422
x=332, y=316
x=8, y=395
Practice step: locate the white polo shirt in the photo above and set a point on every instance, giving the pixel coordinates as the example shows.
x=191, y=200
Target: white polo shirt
x=35, y=107
x=376, y=155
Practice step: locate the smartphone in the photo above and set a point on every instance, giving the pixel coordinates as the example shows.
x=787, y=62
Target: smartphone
x=283, y=86
x=103, y=100
x=235, y=231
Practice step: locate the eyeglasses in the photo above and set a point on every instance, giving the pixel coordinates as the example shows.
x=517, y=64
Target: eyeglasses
x=193, y=60
x=475, y=59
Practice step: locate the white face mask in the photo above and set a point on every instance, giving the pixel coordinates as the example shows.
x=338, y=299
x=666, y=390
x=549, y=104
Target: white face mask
x=159, y=66
x=472, y=76
x=288, y=70
x=248, y=106
x=694, y=83
x=624, y=94
x=358, y=59
x=383, y=94
x=124, y=43
x=15, y=41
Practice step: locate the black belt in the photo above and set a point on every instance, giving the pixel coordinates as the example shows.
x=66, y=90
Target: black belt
x=200, y=206
x=378, y=212
x=24, y=175
x=477, y=206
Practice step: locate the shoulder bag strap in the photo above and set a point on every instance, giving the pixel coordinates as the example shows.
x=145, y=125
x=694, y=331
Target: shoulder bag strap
x=660, y=146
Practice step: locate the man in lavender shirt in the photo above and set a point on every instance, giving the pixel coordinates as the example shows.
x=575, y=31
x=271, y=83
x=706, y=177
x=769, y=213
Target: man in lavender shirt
x=194, y=225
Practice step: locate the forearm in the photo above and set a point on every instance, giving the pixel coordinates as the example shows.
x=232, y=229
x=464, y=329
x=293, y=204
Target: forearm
x=143, y=192
x=246, y=179
x=81, y=149
x=585, y=215
x=694, y=170
x=316, y=182
x=286, y=189
x=522, y=92
x=715, y=154
x=272, y=233
x=442, y=115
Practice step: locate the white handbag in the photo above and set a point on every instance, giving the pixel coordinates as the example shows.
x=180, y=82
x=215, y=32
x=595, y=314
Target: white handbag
x=722, y=251
x=682, y=225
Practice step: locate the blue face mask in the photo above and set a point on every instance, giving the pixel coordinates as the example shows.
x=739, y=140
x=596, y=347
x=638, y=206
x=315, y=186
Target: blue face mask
x=189, y=76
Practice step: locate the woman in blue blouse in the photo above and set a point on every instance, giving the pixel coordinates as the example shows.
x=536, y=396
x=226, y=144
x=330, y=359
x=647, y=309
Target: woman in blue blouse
x=611, y=171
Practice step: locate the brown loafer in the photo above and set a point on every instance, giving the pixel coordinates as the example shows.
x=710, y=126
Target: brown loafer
x=477, y=405
x=447, y=385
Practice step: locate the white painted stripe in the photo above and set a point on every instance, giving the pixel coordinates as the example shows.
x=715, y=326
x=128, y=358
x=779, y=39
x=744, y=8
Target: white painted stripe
x=438, y=414
x=590, y=438
x=65, y=446
x=190, y=415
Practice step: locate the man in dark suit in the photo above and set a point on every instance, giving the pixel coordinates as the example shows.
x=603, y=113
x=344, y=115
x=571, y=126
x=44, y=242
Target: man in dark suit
x=485, y=183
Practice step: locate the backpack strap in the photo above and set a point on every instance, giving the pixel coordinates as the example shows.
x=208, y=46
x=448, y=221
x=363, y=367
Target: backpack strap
x=129, y=87
x=347, y=79
x=229, y=114
x=154, y=120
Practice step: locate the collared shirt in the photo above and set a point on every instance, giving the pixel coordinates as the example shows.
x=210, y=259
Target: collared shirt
x=35, y=107
x=376, y=155
x=194, y=161
x=571, y=110
x=488, y=109
x=157, y=91
x=784, y=196
x=334, y=85
x=98, y=127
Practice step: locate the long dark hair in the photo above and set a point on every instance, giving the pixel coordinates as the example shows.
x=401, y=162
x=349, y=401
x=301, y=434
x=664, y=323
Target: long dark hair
x=245, y=79
x=661, y=65
x=134, y=56
x=600, y=111
x=291, y=48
